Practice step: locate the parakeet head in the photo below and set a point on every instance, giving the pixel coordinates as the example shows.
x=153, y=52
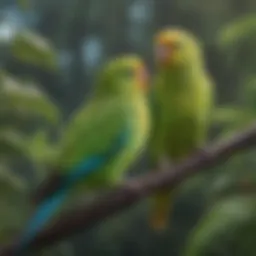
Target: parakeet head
x=123, y=75
x=176, y=48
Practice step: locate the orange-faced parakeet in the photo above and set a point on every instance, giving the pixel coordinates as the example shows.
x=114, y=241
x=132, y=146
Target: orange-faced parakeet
x=102, y=138
x=182, y=98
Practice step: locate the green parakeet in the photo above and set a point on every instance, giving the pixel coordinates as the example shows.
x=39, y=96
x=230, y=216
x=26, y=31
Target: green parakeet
x=102, y=139
x=182, y=98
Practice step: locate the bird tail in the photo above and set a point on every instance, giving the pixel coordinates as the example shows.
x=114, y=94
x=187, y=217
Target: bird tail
x=43, y=214
x=162, y=203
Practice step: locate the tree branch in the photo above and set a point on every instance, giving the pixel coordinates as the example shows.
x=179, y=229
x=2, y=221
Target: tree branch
x=85, y=217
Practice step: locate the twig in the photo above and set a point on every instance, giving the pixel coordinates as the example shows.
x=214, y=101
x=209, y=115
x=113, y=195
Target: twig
x=85, y=217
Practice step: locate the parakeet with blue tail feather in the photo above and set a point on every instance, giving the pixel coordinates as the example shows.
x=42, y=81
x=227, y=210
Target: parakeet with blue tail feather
x=101, y=141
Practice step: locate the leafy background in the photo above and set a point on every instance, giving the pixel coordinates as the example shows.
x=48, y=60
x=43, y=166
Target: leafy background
x=49, y=53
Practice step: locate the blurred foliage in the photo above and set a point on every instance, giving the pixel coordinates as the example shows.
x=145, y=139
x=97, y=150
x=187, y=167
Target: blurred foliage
x=33, y=49
x=49, y=52
x=24, y=4
x=236, y=40
x=24, y=98
x=22, y=105
x=223, y=226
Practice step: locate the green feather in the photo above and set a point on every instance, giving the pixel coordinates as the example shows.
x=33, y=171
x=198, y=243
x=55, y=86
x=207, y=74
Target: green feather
x=183, y=98
x=118, y=104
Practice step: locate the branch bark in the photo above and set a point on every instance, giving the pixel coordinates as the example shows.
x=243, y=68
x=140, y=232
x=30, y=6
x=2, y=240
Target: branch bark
x=133, y=191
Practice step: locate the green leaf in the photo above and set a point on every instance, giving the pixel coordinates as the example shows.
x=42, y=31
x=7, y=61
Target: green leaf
x=222, y=223
x=7, y=177
x=24, y=4
x=13, y=204
x=12, y=144
x=26, y=98
x=237, y=41
x=232, y=119
x=238, y=32
x=227, y=115
x=34, y=49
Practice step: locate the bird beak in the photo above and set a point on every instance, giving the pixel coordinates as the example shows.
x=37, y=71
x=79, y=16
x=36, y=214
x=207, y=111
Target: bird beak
x=163, y=54
x=143, y=77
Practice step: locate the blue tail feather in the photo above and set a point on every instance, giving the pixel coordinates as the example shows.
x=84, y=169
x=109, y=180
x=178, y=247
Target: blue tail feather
x=48, y=207
x=44, y=212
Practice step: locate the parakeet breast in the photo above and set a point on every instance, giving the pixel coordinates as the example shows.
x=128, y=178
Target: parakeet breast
x=139, y=123
x=180, y=119
x=134, y=117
